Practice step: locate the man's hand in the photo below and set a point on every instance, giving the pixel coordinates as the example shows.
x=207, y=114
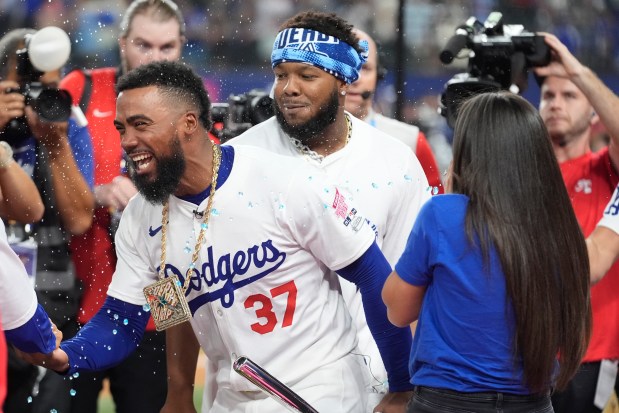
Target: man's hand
x=116, y=194
x=57, y=360
x=395, y=402
x=563, y=63
x=51, y=134
x=11, y=104
x=57, y=333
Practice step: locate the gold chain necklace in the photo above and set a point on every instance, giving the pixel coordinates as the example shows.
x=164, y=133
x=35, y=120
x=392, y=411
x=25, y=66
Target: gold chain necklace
x=166, y=297
x=303, y=149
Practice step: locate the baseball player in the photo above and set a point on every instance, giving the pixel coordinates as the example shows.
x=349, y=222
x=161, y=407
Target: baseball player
x=367, y=162
x=385, y=177
x=243, y=243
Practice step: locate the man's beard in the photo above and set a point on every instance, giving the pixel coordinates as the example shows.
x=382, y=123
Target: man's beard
x=307, y=131
x=170, y=169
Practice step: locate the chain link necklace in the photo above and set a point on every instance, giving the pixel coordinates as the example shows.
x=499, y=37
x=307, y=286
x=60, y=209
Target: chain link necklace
x=303, y=149
x=166, y=297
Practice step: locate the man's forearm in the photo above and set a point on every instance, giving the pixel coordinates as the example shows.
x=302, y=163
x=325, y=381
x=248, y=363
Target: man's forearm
x=108, y=338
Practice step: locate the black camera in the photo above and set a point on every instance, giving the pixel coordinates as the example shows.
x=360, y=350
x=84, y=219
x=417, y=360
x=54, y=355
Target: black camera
x=240, y=113
x=499, y=58
x=49, y=103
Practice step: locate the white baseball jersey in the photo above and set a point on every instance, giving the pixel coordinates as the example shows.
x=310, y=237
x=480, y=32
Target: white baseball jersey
x=263, y=286
x=610, y=219
x=385, y=178
x=18, y=301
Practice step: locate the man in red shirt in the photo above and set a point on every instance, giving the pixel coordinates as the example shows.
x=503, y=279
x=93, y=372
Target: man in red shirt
x=359, y=100
x=573, y=100
x=150, y=31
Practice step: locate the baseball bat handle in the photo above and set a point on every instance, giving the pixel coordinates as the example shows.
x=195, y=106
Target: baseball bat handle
x=270, y=385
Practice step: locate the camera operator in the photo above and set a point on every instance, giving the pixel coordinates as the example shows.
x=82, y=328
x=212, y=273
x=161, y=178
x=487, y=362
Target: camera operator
x=58, y=156
x=573, y=99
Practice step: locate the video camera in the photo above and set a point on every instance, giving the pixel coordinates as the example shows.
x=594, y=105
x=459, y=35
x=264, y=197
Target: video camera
x=46, y=50
x=241, y=113
x=499, y=58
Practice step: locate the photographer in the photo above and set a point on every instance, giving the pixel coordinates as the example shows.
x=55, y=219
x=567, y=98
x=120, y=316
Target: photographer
x=573, y=99
x=58, y=157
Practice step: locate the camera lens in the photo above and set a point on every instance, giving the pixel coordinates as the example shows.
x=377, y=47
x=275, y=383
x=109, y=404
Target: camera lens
x=261, y=109
x=53, y=105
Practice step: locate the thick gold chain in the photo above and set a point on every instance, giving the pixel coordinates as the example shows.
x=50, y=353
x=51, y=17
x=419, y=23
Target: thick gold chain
x=203, y=226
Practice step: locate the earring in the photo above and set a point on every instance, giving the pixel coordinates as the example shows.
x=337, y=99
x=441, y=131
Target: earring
x=343, y=92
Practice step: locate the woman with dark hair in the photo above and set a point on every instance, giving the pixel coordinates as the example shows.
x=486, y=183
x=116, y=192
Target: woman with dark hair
x=496, y=271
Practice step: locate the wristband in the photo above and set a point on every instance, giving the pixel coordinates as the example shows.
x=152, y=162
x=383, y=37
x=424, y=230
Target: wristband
x=8, y=155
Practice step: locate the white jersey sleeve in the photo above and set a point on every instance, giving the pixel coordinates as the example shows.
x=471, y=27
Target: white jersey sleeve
x=610, y=219
x=18, y=300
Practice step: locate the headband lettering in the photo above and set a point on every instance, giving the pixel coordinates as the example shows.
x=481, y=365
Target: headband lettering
x=321, y=50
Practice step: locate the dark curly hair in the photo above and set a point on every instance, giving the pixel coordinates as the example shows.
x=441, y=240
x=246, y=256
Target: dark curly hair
x=176, y=80
x=327, y=23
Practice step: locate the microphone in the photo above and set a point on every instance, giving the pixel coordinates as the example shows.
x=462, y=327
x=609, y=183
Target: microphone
x=367, y=94
x=198, y=214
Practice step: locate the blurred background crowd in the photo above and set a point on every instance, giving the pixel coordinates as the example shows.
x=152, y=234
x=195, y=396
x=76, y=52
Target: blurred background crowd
x=229, y=41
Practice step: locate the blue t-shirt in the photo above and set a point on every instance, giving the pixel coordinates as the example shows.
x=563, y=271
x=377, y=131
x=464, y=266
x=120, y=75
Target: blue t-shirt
x=463, y=340
x=81, y=146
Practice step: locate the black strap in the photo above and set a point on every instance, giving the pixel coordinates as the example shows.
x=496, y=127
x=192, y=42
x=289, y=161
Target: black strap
x=85, y=100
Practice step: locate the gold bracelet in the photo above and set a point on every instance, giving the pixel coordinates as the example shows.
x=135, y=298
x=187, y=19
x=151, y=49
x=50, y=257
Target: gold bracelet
x=8, y=155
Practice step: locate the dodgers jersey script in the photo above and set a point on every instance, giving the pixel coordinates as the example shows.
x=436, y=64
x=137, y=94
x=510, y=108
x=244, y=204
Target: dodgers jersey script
x=260, y=288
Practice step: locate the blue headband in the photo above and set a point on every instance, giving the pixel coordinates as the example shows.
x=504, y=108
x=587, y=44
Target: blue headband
x=317, y=49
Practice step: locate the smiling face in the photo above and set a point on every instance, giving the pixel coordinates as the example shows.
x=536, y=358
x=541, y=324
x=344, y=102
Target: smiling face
x=149, y=135
x=149, y=40
x=306, y=99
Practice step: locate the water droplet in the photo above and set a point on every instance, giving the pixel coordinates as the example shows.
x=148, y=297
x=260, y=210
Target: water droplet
x=326, y=190
x=250, y=205
x=435, y=190
x=407, y=177
x=146, y=307
x=282, y=206
x=241, y=193
x=115, y=316
x=389, y=183
x=109, y=347
x=204, y=225
x=29, y=399
x=53, y=411
x=114, y=331
x=76, y=375
x=72, y=392
x=215, y=212
x=187, y=250
x=374, y=185
x=126, y=322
